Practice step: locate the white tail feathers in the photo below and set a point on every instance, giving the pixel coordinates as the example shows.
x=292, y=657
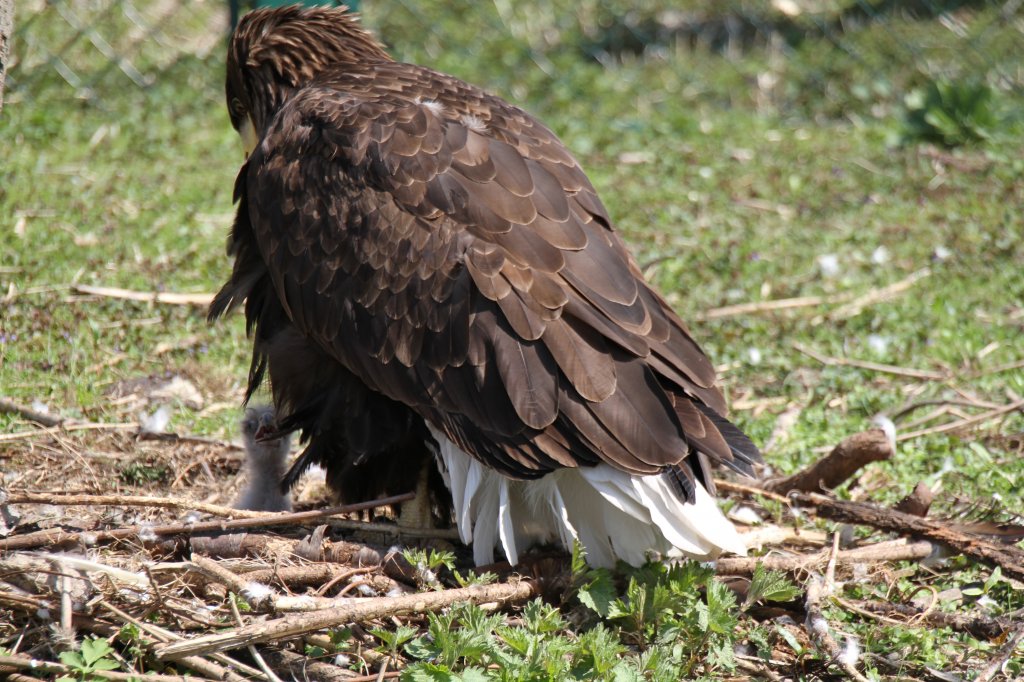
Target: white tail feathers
x=613, y=514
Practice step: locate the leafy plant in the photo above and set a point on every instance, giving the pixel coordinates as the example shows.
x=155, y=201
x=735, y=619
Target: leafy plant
x=393, y=641
x=951, y=113
x=474, y=578
x=94, y=656
x=770, y=586
x=427, y=564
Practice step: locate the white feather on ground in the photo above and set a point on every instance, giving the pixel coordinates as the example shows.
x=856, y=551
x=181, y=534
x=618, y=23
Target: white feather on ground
x=265, y=464
x=613, y=514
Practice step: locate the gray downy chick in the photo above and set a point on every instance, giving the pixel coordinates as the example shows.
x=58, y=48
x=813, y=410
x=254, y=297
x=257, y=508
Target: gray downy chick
x=266, y=460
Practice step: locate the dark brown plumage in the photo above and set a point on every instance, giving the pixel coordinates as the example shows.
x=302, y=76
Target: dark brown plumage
x=423, y=262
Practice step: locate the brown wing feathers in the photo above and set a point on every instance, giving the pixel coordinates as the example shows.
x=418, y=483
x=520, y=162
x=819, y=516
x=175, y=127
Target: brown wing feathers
x=445, y=248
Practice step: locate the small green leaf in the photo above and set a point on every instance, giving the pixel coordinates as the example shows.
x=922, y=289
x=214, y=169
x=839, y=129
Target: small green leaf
x=769, y=586
x=94, y=649
x=474, y=675
x=105, y=664
x=72, y=658
x=420, y=648
x=790, y=639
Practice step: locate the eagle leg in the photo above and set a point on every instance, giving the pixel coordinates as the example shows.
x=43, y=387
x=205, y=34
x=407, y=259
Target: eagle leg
x=417, y=512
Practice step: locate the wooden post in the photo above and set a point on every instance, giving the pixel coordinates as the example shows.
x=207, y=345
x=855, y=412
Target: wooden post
x=6, y=33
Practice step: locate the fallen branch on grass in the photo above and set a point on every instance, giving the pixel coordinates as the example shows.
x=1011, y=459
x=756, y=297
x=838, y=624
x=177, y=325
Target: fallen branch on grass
x=898, y=550
x=977, y=625
x=918, y=502
x=819, y=590
x=876, y=296
x=845, y=459
x=26, y=497
x=11, y=663
x=964, y=423
x=771, y=306
x=58, y=536
x=1007, y=557
x=290, y=626
x=926, y=374
x=46, y=419
x=167, y=297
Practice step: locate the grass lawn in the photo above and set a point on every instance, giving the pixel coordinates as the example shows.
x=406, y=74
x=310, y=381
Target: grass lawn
x=736, y=180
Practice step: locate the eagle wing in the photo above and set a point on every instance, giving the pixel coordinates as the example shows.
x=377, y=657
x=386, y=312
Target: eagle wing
x=446, y=248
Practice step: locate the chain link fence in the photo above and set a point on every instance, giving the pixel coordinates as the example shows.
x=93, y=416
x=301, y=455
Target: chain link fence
x=831, y=57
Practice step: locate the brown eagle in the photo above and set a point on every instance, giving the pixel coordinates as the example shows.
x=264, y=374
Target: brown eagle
x=435, y=289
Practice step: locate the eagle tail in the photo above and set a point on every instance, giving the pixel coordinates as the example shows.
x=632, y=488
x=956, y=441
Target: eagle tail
x=613, y=514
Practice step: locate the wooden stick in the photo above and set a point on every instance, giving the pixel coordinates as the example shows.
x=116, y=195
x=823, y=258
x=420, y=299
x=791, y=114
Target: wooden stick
x=733, y=487
x=57, y=536
x=292, y=625
x=927, y=374
x=225, y=668
x=305, y=668
x=27, y=497
x=1007, y=557
x=169, y=298
x=820, y=590
x=25, y=663
x=963, y=423
x=905, y=550
x=769, y=306
x=66, y=426
x=10, y=407
x=980, y=626
x=858, y=304
x=845, y=460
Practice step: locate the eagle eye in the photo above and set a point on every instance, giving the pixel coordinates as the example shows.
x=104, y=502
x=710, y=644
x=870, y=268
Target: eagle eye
x=237, y=108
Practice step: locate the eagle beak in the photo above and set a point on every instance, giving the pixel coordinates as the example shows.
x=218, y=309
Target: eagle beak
x=248, y=135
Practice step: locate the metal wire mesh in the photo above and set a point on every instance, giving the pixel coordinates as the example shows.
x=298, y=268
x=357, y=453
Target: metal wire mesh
x=87, y=48
x=810, y=56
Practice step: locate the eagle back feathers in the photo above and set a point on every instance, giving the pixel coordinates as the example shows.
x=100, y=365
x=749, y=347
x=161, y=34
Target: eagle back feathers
x=442, y=247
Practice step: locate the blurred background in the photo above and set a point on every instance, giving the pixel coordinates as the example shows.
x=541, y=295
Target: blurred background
x=794, y=58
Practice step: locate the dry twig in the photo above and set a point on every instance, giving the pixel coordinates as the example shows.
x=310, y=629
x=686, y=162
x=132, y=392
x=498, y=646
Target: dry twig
x=926, y=374
x=978, y=625
x=167, y=297
x=26, y=497
x=964, y=423
x=876, y=296
x=818, y=591
x=345, y=612
x=58, y=536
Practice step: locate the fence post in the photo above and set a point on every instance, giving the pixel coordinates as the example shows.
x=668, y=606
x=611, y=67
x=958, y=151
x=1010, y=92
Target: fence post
x=6, y=31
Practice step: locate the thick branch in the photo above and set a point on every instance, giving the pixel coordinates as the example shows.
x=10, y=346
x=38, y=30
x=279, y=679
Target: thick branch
x=1008, y=557
x=902, y=550
x=356, y=611
x=840, y=464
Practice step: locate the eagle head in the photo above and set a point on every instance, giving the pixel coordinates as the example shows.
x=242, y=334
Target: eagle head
x=275, y=51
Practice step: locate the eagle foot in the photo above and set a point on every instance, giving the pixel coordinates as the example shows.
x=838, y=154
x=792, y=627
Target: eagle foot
x=417, y=512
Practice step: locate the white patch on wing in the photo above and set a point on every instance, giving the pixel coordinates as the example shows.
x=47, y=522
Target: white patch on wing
x=474, y=123
x=434, y=107
x=613, y=514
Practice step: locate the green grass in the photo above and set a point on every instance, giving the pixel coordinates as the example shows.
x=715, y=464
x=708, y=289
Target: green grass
x=736, y=196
